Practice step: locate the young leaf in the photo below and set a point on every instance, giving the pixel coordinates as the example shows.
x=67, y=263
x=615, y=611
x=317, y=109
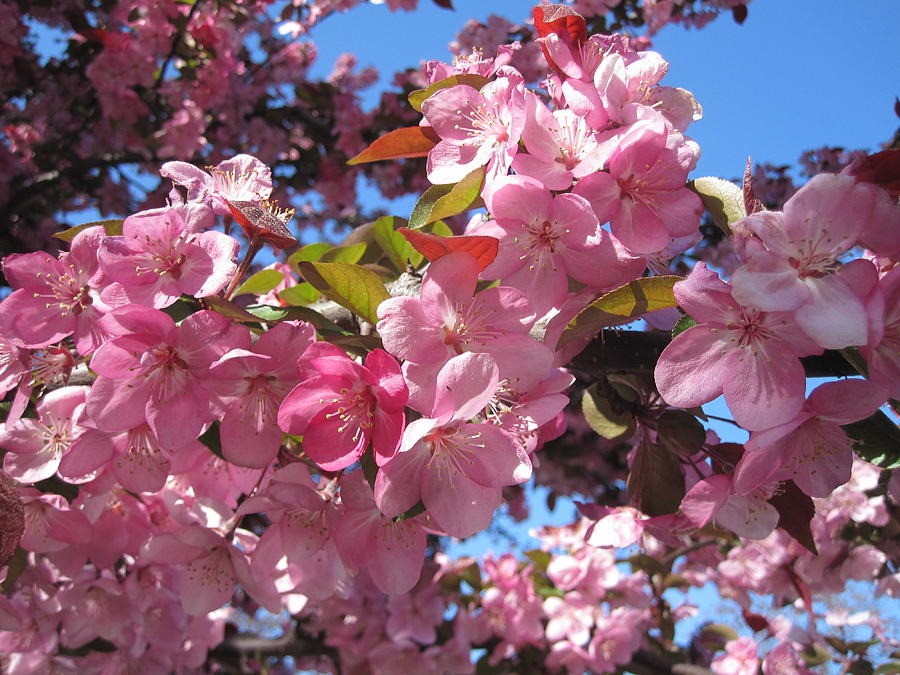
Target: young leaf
x=310, y=252
x=299, y=295
x=404, y=142
x=723, y=200
x=682, y=325
x=345, y=254
x=229, y=309
x=443, y=201
x=419, y=96
x=395, y=246
x=621, y=306
x=260, y=283
x=432, y=246
x=351, y=286
x=113, y=227
x=608, y=423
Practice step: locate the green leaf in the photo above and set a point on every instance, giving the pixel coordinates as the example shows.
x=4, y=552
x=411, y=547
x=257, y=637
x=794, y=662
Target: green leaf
x=404, y=142
x=210, y=438
x=229, y=309
x=621, y=306
x=888, y=668
x=260, y=283
x=299, y=295
x=356, y=288
x=345, y=254
x=682, y=325
x=680, y=432
x=439, y=228
x=540, y=558
x=876, y=439
x=722, y=631
x=113, y=228
x=395, y=246
x=603, y=418
x=310, y=252
x=415, y=510
x=815, y=655
x=272, y=314
x=723, y=200
x=369, y=467
x=443, y=201
x=419, y=96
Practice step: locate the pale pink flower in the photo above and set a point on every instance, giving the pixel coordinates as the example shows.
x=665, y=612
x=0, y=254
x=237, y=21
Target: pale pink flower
x=55, y=298
x=253, y=383
x=813, y=438
x=162, y=254
x=391, y=550
x=241, y=178
x=449, y=318
x=739, y=658
x=154, y=371
x=456, y=467
x=36, y=446
x=644, y=196
x=476, y=128
x=545, y=239
x=751, y=357
x=791, y=259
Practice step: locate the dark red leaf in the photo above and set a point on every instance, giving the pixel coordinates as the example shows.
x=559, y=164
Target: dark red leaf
x=262, y=223
x=404, y=142
x=568, y=24
x=751, y=203
x=795, y=510
x=446, y=4
x=755, y=621
x=432, y=246
x=739, y=13
x=882, y=169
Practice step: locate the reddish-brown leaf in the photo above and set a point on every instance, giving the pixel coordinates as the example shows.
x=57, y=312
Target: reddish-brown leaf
x=432, y=246
x=404, y=142
x=795, y=510
x=258, y=221
x=882, y=169
x=751, y=203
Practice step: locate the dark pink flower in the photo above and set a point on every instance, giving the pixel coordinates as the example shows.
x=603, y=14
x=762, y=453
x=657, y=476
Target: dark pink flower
x=340, y=405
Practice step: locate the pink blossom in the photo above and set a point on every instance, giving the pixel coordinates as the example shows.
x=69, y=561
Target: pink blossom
x=476, y=128
x=813, y=438
x=55, y=298
x=739, y=658
x=643, y=195
x=36, y=446
x=154, y=371
x=391, y=550
x=254, y=382
x=448, y=319
x=545, y=239
x=790, y=259
x=454, y=466
x=751, y=357
x=340, y=405
x=162, y=254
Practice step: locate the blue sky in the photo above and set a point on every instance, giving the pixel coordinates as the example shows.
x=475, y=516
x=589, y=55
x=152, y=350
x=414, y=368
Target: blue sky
x=796, y=75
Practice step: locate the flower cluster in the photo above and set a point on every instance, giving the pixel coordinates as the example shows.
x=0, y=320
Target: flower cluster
x=183, y=434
